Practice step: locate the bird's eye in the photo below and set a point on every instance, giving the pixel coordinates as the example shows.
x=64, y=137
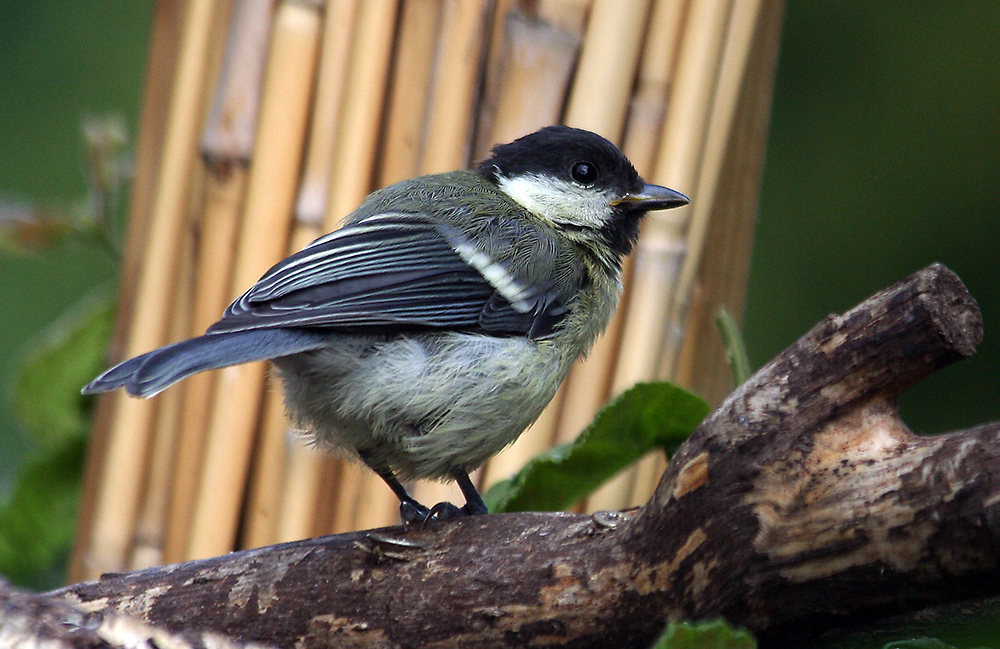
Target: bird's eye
x=584, y=173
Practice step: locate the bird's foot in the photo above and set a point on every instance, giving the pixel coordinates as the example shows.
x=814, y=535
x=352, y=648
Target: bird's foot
x=446, y=511
x=413, y=512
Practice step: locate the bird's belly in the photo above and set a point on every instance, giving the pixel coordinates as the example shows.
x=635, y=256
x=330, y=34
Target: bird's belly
x=421, y=404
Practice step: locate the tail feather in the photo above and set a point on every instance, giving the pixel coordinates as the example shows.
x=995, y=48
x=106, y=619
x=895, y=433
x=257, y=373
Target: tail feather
x=146, y=375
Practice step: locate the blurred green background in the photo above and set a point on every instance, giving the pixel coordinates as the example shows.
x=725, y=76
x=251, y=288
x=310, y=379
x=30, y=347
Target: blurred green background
x=884, y=156
x=61, y=61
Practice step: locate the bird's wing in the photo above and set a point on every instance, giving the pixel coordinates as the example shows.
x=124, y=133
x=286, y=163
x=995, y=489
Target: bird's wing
x=394, y=272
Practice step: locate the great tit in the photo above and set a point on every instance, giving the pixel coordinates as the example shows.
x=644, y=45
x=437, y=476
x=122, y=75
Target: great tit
x=430, y=330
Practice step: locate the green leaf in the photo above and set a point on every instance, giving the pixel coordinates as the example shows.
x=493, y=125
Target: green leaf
x=62, y=359
x=646, y=417
x=715, y=634
x=736, y=348
x=37, y=524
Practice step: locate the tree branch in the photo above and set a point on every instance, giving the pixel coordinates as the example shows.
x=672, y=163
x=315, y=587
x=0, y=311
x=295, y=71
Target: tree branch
x=802, y=494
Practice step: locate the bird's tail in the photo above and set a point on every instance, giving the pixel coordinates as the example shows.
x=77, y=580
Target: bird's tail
x=146, y=375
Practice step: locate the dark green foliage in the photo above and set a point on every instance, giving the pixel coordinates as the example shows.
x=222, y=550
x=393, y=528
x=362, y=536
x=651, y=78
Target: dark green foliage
x=716, y=634
x=37, y=522
x=647, y=417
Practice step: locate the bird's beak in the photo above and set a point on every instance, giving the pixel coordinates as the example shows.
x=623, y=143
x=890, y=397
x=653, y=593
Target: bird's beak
x=652, y=197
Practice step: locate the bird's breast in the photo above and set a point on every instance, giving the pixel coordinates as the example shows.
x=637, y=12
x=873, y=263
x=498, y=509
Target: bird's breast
x=422, y=403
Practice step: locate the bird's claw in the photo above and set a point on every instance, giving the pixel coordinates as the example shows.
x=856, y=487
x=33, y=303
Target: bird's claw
x=414, y=513
x=446, y=511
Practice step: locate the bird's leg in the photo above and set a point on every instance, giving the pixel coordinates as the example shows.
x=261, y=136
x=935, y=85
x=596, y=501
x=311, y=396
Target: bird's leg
x=474, y=504
x=413, y=512
x=409, y=509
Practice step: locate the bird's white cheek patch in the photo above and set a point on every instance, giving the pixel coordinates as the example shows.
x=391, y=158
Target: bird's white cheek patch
x=497, y=276
x=557, y=201
x=526, y=192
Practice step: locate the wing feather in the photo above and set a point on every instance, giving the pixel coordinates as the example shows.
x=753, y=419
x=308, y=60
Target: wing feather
x=395, y=272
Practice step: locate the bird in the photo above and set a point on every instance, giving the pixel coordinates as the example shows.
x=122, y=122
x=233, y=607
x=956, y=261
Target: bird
x=425, y=334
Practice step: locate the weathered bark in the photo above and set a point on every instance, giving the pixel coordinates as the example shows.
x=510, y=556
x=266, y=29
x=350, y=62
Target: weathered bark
x=802, y=495
x=38, y=621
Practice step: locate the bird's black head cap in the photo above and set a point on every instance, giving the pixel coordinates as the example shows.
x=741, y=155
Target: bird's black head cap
x=564, y=152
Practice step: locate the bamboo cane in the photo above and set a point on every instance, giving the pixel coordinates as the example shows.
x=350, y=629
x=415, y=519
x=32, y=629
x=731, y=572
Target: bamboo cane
x=678, y=164
x=455, y=82
x=496, y=51
x=116, y=497
x=152, y=523
x=269, y=470
x=166, y=25
x=733, y=70
x=375, y=506
x=744, y=27
x=408, y=92
x=331, y=87
x=529, y=70
x=161, y=73
x=723, y=274
x=224, y=193
x=301, y=491
x=278, y=460
x=147, y=549
x=602, y=85
x=150, y=528
x=329, y=498
x=662, y=245
x=226, y=146
x=566, y=15
x=351, y=479
x=357, y=147
x=263, y=241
